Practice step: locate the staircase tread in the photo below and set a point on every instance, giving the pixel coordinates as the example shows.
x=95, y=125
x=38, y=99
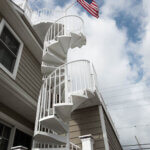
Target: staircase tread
x=56, y=49
x=50, y=58
x=45, y=137
x=54, y=123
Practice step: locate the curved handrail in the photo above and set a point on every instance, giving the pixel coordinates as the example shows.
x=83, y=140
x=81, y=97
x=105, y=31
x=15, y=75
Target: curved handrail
x=85, y=73
x=57, y=68
x=64, y=26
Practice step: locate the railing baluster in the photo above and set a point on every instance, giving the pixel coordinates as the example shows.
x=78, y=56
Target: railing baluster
x=49, y=102
x=41, y=115
x=59, y=85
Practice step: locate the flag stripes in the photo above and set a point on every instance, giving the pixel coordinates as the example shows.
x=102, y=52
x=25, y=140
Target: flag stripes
x=92, y=8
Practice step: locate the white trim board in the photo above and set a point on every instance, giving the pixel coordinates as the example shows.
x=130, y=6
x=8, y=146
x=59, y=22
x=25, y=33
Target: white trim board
x=103, y=127
x=16, y=66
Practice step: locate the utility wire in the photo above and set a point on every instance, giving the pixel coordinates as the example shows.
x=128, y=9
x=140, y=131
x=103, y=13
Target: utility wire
x=135, y=145
x=125, y=94
x=129, y=107
x=135, y=126
x=126, y=84
x=123, y=89
x=120, y=85
x=127, y=101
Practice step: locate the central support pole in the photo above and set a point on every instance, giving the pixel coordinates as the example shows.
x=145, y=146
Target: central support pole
x=87, y=142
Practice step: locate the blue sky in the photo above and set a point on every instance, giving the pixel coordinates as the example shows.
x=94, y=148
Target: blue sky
x=118, y=45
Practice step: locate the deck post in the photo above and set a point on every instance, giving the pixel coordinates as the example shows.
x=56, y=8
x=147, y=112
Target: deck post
x=87, y=142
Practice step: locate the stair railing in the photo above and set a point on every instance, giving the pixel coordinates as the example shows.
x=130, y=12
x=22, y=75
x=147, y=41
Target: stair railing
x=72, y=77
x=81, y=76
x=64, y=26
x=74, y=147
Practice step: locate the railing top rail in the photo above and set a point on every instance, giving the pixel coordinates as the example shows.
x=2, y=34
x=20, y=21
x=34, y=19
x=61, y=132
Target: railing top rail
x=69, y=26
x=75, y=145
x=70, y=16
x=81, y=60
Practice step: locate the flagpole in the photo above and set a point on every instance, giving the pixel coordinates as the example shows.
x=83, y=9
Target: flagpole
x=70, y=7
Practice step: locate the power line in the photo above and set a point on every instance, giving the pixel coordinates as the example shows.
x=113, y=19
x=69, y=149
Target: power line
x=122, y=89
x=119, y=85
x=126, y=94
x=130, y=107
x=134, y=126
x=135, y=145
x=142, y=148
x=131, y=100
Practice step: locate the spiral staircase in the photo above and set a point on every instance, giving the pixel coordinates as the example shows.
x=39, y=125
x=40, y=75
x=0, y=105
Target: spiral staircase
x=66, y=86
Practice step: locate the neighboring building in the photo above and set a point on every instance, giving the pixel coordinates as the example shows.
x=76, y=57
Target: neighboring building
x=70, y=108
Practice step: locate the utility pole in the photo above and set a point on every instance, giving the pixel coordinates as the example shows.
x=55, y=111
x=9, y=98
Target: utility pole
x=138, y=143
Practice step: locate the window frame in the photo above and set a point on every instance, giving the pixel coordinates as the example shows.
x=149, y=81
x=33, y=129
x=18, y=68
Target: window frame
x=13, y=75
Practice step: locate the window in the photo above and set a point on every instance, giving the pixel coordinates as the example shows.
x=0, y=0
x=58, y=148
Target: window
x=22, y=139
x=10, y=49
x=4, y=136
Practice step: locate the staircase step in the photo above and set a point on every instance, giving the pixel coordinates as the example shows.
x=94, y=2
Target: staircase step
x=77, y=100
x=64, y=110
x=74, y=38
x=65, y=42
x=78, y=40
x=90, y=93
x=54, y=123
x=47, y=69
x=56, y=48
x=52, y=59
x=49, y=138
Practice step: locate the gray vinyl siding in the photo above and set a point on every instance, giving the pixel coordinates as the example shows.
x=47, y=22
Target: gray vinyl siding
x=29, y=76
x=86, y=121
x=114, y=144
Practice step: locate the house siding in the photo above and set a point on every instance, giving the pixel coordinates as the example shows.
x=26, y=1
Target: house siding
x=86, y=121
x=113, y=141
x=29, y=76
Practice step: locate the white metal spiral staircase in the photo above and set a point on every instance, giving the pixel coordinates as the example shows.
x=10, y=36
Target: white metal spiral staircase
x=66, y=86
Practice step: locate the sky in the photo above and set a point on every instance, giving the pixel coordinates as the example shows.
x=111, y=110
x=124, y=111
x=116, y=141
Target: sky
x=118, y=44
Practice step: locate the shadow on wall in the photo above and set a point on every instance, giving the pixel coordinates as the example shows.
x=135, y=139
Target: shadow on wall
x=86, y=121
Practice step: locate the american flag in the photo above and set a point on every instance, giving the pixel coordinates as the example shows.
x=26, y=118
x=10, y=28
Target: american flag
x=91, y=6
